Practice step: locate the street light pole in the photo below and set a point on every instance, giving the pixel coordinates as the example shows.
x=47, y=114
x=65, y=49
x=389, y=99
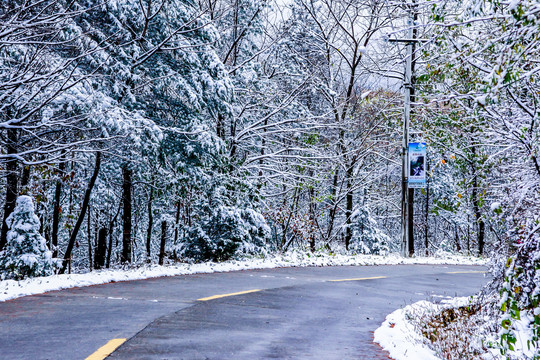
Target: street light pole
x=405, y=248
x=407, y=245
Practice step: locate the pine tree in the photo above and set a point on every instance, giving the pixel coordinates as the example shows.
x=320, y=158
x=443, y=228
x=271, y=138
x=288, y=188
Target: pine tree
x=367, y=238
x=26, y=253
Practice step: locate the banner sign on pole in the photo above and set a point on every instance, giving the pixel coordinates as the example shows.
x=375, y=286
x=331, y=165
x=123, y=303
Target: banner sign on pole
x=417, y=165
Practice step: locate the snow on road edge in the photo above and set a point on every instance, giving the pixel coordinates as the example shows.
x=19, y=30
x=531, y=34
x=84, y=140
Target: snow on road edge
x=399, y=337
x=402, y=340
x=11, y=289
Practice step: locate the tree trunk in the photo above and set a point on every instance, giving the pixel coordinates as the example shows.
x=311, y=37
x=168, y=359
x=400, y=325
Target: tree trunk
x=56, y=208
x=163, y=239
x=11, y=183
x=84, y=207
x=232, y=152
x=481, y=236
x=25, y=179
x=478, y=215
x=177, y=223
x=348, y=209
x=261, y=160
x=312, y=218
x=126, y=234
x=150, y=224
x=111, y=228
x=468, y=236
x=348, y=222
x=47, y=236
x=458, y=245
x=333, y=209
x=176, y=229
x=101, y=249
x=220, y=126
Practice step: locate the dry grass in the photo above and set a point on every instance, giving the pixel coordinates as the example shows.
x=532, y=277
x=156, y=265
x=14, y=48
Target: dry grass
x=462, y=332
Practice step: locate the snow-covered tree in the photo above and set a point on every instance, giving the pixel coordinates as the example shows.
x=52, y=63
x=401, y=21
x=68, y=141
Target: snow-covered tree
x=367, y=237
x=227, y=232
x=484, y=68
x=26, y=253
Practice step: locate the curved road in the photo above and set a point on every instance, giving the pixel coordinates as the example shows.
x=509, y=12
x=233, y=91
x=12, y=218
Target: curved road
x=286, y=313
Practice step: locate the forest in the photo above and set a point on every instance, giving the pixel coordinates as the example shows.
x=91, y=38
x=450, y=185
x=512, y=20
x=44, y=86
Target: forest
x=162, y=131
x=136, y=132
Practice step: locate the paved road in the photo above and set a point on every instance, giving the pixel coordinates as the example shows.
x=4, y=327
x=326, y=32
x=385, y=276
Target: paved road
x=299, y=313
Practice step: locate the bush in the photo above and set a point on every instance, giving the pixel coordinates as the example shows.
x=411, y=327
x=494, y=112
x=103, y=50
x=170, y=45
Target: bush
x=226, y=233
x=520, y=292
x=461, y=331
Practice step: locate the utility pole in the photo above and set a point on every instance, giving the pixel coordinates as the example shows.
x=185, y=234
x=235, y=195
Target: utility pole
x=407, y=195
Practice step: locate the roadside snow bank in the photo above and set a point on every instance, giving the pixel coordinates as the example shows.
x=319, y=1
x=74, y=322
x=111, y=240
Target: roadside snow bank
x=10, y=289
x=464, y=328
x=399, y=337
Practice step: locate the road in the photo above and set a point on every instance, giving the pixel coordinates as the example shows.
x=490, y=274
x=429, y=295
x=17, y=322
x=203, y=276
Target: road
x=285, y=313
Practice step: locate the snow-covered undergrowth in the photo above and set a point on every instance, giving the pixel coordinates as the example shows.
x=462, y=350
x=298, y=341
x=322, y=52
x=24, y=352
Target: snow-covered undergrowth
x=10, y=289
x=399, y=337
x=458, y=328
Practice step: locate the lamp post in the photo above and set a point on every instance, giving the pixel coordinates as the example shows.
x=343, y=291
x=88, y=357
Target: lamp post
x=407, y=240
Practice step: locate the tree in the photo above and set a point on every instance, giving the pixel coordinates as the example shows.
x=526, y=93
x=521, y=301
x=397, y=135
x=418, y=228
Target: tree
x=367, y=237
x=84, y=208
x=226, y=233
x=310, y=153
x=26, y=253
x=37, y=83
x=494, y=44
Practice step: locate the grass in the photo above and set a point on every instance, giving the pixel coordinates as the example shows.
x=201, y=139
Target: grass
x=460, y=332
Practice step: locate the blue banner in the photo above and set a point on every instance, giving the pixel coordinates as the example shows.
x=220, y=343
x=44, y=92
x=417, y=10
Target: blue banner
x=417, y=165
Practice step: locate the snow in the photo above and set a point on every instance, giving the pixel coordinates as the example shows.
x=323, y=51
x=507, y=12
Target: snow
x=398, y=336
x=523, y=332
x=11, y=289
x=482, y=100
x=496, y=205
x=513, y=4
x=29, y=259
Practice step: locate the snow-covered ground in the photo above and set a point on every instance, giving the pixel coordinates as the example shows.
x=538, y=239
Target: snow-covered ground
x=10, y=289
x=400, y=333
x=399, y=337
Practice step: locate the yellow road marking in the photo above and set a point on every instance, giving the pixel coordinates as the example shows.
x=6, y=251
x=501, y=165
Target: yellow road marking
x=226, y=295
x=358, y=279
x=106, y=349
x=467, y=272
